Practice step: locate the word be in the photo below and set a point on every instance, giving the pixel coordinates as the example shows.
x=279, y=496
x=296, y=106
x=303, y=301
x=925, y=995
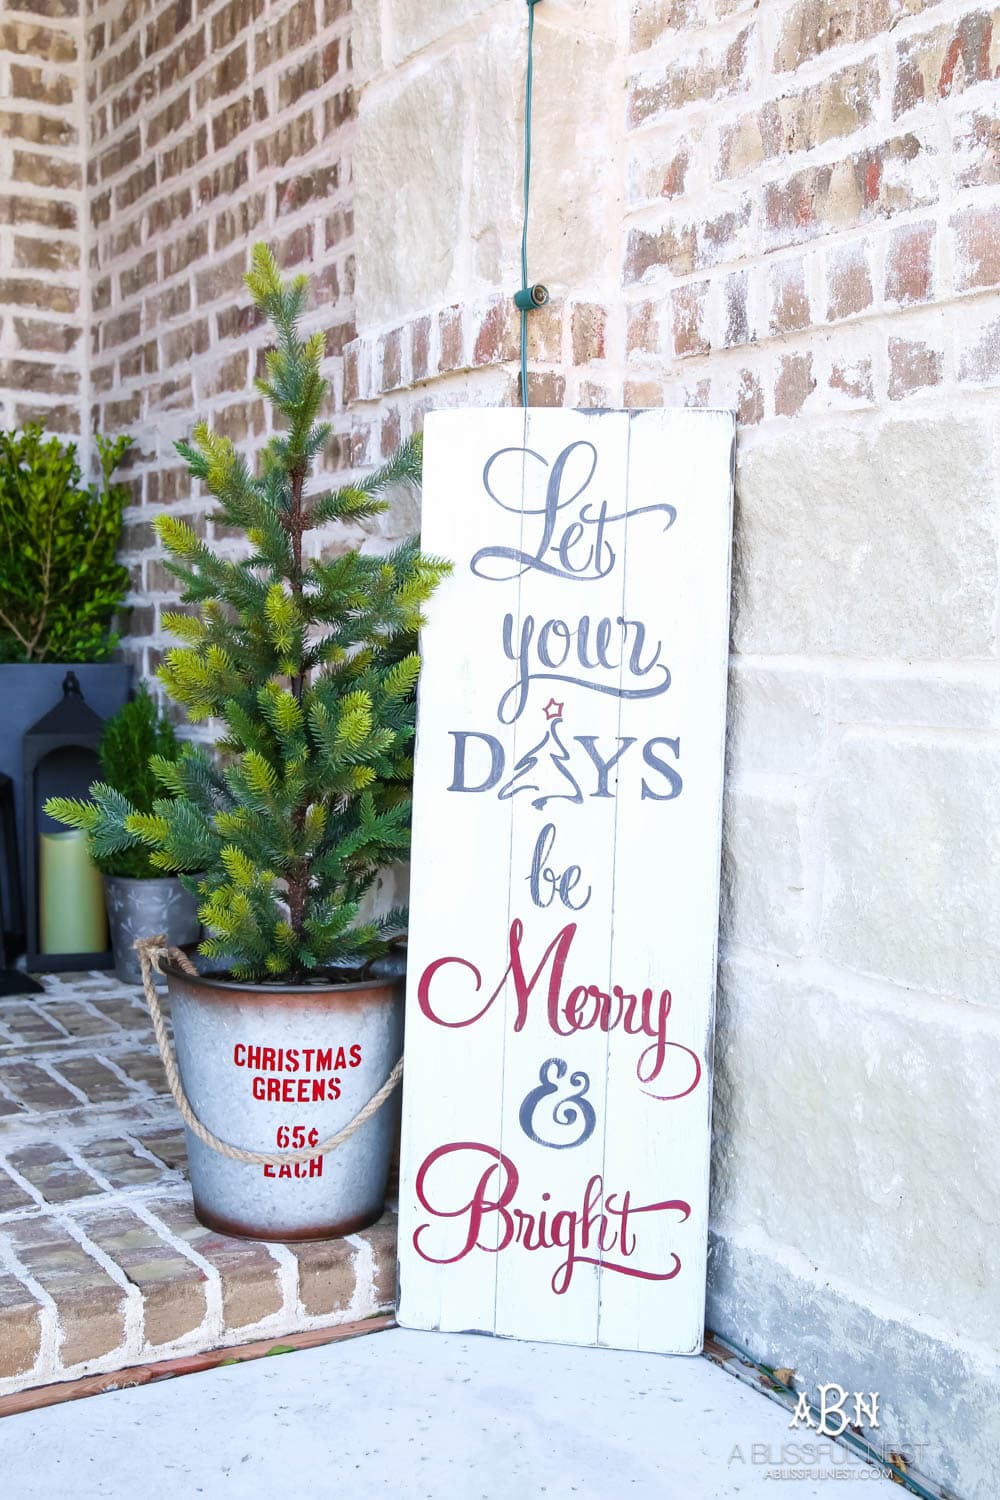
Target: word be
x=603, y=1230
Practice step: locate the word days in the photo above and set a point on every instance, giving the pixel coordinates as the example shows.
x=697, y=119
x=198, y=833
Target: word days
x=579, y=1007
x=602, y=1230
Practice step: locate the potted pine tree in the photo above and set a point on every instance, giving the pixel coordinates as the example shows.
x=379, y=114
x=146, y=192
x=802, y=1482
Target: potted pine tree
x=310, y=664
x=140, y=899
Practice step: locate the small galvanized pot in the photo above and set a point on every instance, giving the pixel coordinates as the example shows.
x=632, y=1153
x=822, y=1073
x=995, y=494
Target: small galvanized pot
x=138, y=907
x=269, y=1069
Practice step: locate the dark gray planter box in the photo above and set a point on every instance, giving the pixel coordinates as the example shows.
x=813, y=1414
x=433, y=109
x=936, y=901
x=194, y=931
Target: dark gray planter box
x=30, y=689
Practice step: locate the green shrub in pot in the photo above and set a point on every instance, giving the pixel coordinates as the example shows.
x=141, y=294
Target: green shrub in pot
x=61, y=586
x=310, y=663
x=140, y=898
x=60, y=581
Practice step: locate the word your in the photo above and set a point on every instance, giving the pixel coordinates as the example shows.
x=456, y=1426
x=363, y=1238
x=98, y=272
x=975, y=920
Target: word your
x=578, y=549
x=585, y=1006
x=602, y=1230
x=557, y=642
x=827, y=1408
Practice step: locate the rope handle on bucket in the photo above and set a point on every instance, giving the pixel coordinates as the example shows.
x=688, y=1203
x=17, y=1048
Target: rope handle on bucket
x=152, y=951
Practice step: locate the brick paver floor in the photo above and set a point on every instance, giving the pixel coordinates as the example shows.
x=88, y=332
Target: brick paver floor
x=102, y=1263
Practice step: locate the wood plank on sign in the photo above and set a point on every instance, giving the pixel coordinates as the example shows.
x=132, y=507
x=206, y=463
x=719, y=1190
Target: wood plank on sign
x=554, y=1173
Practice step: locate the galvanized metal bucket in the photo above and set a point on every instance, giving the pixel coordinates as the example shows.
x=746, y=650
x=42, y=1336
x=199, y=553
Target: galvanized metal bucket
x=138, y=907
x=273, y=1069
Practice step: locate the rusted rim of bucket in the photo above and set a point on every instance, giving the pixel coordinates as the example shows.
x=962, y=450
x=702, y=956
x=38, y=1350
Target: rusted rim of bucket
x=225, y=991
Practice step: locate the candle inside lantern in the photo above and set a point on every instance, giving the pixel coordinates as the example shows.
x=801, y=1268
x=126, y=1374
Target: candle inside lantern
x=71, y=896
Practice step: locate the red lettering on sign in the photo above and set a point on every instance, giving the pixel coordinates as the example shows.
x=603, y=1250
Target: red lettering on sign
x=585, y=1006
x=600, y=1231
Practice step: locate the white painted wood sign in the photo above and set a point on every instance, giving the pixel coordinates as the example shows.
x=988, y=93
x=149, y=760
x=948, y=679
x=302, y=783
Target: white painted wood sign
x=565, y=876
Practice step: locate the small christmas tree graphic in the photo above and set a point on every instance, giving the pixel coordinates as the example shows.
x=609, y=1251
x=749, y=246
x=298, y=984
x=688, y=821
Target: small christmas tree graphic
x=559, y=758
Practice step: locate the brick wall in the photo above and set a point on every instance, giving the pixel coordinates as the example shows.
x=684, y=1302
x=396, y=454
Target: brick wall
x=42, y=216
x=211, y=126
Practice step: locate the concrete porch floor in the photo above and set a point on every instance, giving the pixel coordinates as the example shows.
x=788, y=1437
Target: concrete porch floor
x=102, y=1263
x=405, y=1414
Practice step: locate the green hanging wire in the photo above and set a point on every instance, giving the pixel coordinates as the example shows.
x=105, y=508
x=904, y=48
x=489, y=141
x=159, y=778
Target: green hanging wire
x=527, y=188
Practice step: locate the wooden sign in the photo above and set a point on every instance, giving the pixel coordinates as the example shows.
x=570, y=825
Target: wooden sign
x=565, y=875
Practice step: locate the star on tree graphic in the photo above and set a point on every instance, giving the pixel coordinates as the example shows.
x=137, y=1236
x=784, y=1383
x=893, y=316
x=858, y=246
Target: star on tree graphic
x=558, y=759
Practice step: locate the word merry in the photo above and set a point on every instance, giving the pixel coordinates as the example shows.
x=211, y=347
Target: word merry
x=581, y=548
x=591, y=650
x=585, y=1006
x=600, y=1231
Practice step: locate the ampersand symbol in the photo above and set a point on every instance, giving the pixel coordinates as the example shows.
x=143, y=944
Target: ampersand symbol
x=560, y=1108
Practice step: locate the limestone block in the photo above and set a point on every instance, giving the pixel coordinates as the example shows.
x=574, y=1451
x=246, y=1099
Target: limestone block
x=912, y=851
x=366, y=41
x=415, y=23
x=908, y=696
x=776, y=719
x=763, y=881
x=408, y=191
x=873, y=544
x=847, y=1130
x=573, y=129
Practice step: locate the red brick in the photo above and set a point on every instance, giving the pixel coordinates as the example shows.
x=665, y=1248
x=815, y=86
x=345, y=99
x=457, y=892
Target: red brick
x=794, y=384
x=816, y=26
x=498, y=336
x=913, y=366
x=909, y=264
x=589, y=331
x=952, y=58
x=421, y=348
x=979, y=359
x=848, y=281
x=977, y=147
x=789, y=297
x=642, y=328
x=688, y=305
x=749, y=399
x=870, y=184
x=672, y=247
x=392, y=360
x=977, y=242
x=708, y=75
x=854, y=379
x=450, y=335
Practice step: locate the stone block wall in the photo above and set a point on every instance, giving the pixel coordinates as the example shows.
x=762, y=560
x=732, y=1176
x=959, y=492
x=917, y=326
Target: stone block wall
x=43, y=369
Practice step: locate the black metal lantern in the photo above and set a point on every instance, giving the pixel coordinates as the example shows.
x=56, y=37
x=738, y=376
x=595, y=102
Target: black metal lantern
x=11, y=907
x=60, y=760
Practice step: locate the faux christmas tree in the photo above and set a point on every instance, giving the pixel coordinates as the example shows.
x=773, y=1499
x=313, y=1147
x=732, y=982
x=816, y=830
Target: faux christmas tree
x=311, y=666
